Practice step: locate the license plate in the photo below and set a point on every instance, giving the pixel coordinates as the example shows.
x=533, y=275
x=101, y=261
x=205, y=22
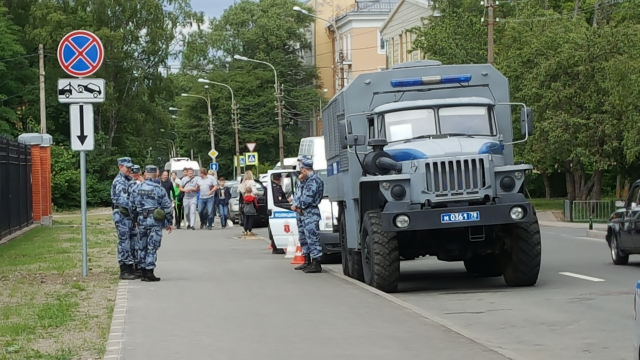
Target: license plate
x=460, y=217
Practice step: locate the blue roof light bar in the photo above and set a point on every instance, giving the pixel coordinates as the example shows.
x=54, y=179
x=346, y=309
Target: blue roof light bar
x=428, y=80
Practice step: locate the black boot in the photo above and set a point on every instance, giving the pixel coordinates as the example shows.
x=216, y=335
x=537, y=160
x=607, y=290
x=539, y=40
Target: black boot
x=315, y=267
x=307, y=263
x=125, y=273
x=149, y=276
x=139, y=272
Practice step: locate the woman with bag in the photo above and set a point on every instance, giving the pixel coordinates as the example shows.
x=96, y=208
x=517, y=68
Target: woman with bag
x=247, y=182
x=250, y=206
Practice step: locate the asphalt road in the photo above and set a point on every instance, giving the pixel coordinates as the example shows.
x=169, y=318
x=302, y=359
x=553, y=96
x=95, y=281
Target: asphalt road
x=581, y=307
x=226, y=298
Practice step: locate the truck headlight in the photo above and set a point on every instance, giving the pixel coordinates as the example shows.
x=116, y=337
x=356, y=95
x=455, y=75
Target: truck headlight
x=517, y=213
x=402, y=221
x=398, y=192
x=518, y=175
x=507, y=183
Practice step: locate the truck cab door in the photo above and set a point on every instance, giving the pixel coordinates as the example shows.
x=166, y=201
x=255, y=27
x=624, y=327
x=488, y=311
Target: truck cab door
x=282, y=220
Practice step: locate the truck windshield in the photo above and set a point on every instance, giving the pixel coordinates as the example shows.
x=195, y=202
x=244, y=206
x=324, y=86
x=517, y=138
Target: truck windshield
x=467, y=120
x=459, y=120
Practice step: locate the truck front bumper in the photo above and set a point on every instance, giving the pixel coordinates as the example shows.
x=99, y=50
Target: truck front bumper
x=429, y=219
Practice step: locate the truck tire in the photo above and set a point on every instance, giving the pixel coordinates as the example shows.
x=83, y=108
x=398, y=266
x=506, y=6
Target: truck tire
x=342, y=235
x=354, y=258
x=488, y=265
x=521, y=258
x=380, y=255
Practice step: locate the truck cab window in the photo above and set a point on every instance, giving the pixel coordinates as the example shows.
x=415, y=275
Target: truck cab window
x=404, y=125
x=468, y=120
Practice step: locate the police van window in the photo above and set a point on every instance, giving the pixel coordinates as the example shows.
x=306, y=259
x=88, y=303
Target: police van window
x=404, y=125
x=467, y=120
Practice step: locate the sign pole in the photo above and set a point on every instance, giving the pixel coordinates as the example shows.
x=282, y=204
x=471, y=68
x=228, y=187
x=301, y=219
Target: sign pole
x=83, y=210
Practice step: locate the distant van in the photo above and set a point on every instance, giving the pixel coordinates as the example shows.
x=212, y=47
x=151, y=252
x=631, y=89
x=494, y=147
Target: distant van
x=178, y=164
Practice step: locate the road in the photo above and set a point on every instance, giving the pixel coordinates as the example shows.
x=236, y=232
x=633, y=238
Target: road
x=581, y=307
x=230, y=297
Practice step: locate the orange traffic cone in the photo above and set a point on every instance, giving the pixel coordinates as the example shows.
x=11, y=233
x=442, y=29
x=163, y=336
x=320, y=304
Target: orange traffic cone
x=298, y=258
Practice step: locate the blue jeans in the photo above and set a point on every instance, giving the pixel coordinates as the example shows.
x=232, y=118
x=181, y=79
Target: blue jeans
x=206, y=205
x=223, y=210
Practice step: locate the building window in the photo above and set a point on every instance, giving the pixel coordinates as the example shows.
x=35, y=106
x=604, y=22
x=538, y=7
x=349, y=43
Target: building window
x=381, y=44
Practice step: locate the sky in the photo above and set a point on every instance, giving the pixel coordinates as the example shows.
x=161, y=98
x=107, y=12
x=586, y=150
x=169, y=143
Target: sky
x=211, y=7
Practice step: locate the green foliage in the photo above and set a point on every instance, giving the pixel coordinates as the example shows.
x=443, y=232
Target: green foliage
x=270, y=31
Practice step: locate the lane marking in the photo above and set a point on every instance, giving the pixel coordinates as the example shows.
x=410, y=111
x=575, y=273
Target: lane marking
x=583, y=277
x=429, y=316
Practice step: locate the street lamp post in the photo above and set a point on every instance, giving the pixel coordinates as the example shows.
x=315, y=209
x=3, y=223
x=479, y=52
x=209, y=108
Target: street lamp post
x=337, y=58
x=279, y=102
x=213, y=144
x=234, y=115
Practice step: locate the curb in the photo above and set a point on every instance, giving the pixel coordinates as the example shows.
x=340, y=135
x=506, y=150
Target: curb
x=429, y=316
x=597, y=234
x=116, y=333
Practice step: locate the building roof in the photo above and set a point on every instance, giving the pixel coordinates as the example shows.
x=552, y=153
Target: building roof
x=423, y=3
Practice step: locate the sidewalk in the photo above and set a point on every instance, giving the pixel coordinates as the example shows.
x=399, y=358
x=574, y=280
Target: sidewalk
x=225, y=298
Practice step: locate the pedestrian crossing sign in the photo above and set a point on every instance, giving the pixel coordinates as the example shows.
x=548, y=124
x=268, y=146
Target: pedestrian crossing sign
x=252, y=158
x=242, y=162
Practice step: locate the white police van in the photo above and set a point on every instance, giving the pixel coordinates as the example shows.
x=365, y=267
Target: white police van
x=282, y=220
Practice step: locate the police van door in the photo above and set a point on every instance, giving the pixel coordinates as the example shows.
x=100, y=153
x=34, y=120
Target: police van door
x=282, y=220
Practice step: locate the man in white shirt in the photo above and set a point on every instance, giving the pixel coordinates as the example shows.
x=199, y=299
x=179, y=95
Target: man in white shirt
x=189, y=185
x=207, y=185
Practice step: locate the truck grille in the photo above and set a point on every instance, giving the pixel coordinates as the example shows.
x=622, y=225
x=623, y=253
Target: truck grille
x=456, y=176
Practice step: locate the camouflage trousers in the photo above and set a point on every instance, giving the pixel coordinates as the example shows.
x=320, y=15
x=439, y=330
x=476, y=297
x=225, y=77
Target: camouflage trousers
x=135, y=245
x=301, y=236
x=149, y=239
x=311, y=225
x=123, y=229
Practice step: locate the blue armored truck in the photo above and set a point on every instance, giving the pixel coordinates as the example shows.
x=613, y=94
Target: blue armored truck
x=420, y=162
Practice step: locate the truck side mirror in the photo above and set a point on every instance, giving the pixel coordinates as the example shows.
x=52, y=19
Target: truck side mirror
x=356, y=140
x=526, y=121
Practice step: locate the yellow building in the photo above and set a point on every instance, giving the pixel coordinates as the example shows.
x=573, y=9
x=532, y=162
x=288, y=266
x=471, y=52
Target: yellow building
x=399, y=42
x=356, y=48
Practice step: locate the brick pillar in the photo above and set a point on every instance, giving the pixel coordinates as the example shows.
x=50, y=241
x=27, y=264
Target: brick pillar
x=36, y=183
x=45, y=172
x=40, y=175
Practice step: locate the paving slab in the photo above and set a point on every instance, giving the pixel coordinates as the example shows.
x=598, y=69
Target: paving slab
x=225, y=298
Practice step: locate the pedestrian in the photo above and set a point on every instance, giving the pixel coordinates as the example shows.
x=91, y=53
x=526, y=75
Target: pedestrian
x=306, y=204
x=153, y=210
x=250, y=205
x=223, y=194
x=247, y=181
x=174, y=177
x=207, y=186
x=302, y=239
x=212, y=175
x=133, y=238
x=189, y=186
x=121, y=213
x=177, y=205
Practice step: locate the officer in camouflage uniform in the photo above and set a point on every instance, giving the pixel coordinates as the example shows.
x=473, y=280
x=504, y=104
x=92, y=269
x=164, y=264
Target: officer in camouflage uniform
x=307, y=203
x=301, y=236
x=122, y=217
x=153, y=212
x=134, y=242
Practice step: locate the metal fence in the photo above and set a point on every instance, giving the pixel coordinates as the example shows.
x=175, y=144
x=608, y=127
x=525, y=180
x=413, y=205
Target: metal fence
x=16, y=211
x=597, y=210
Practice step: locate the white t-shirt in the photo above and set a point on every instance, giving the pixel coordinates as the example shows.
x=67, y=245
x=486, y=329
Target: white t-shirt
x=206, y=185
x=189, y=184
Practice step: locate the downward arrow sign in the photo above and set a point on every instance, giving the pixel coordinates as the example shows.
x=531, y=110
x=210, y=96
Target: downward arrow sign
x=82, y=137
